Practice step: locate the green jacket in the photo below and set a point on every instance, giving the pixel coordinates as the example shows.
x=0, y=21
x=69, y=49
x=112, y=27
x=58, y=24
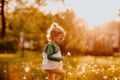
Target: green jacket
x=51, y=49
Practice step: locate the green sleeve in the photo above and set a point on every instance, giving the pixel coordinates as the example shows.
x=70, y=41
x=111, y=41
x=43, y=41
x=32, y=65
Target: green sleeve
x=50, y=51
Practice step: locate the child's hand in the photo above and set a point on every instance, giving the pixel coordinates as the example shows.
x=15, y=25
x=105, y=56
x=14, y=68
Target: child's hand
x=68, y=54
x=62, y=58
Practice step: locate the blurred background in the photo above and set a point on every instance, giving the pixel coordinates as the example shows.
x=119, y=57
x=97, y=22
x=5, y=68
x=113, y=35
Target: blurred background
x=24, y=23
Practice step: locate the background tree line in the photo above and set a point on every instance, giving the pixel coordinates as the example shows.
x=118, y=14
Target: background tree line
x=34, y=24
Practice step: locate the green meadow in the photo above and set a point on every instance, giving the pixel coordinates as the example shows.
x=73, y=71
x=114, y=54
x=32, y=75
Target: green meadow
x=13, y=67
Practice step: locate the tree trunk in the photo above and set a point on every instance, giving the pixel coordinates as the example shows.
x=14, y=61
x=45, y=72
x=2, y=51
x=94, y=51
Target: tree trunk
x=3, y=20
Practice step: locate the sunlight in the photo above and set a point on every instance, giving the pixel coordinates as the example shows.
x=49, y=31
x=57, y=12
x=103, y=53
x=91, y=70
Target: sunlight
x=93, y=11
x=12, y=6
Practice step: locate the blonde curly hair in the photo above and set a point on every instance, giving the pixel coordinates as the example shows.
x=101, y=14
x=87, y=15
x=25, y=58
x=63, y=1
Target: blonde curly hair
x=54, y=30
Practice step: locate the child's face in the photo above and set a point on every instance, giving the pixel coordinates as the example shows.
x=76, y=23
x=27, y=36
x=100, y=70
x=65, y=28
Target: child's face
x=58, y=39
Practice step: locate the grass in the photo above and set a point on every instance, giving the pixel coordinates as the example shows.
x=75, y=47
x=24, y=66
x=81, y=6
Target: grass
x=76, y=68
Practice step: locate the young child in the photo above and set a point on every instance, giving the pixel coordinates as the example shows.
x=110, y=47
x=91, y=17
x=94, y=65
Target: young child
x=52, y=58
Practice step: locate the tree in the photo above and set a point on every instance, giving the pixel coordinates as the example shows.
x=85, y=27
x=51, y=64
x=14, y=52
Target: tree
x=119, y=26
x=75, y=40
x=2, y=2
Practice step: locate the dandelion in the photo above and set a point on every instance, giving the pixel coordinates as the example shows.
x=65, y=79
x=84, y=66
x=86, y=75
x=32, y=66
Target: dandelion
x=79, y=73
x=112, y=68
x=24, y=77
x=78, y=67
x=38, y=68
x=95, y=65
x=83, y=69
x=105, y=77
x=69, y=73
x=70, y=67
x=93, y=70
x=68, y=54
x=27, y=68
x=115, y=78
x=46, y=77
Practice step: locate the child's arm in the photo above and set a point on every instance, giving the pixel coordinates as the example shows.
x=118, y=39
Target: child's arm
x=49, y=50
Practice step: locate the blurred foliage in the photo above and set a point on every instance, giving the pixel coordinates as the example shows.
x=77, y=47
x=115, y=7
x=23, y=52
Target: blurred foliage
x=34, y=24
x=75, y=39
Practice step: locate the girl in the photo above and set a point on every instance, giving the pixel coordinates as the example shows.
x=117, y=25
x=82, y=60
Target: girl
x=52, y=58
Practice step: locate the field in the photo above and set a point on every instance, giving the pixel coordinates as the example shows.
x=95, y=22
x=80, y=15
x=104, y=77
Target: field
x=13, y=67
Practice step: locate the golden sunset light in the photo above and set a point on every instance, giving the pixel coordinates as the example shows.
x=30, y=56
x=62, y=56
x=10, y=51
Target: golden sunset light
x=59, y=39
x=95, y=12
